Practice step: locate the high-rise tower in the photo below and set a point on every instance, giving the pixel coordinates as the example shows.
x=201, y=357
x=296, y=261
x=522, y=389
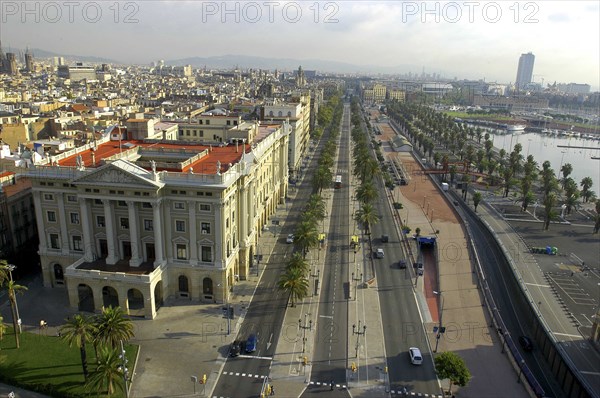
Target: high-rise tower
x=525, y=70
x=28, y=61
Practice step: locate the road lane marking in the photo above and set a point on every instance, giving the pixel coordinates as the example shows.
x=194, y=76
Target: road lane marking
x=536, y=284
x=589, y=373
x=567, y=335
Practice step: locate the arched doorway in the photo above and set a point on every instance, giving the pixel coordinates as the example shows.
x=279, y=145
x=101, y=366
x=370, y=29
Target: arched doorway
x=86, y=298
x=207, y=288
x=59, y=276
x=135, y=300
x=110, y=297
x=184, y=288
x=158, y=295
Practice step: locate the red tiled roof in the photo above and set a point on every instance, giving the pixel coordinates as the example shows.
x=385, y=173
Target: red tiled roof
x=20, y=185
x=205, y=165
x=79, y=108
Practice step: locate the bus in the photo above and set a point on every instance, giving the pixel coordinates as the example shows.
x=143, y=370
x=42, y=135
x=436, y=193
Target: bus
x=338, y=181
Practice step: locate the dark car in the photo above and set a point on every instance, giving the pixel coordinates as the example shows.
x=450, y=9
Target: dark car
x=402, y=264
x=385, y=238
x=235, y=349
x=251, y=343
x=526, y=343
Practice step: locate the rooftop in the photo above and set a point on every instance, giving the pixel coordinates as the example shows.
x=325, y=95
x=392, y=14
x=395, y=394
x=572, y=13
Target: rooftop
x=174, y=157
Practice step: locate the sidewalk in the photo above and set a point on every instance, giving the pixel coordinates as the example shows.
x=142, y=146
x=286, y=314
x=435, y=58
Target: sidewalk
x=468, y=331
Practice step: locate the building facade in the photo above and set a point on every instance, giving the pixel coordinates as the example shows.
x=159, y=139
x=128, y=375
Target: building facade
x=156, y=219
x=525, y=70
x=297, y=113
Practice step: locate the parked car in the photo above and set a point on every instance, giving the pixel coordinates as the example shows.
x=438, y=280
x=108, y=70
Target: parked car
x=290, y=238
x=235, y=349
x=251, y=343
x=415, y=356
x=379, y=253
x=420, y=269
x=526, y=343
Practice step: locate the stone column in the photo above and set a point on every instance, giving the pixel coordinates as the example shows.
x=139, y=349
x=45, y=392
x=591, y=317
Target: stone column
x=158, y=235
x=219, y=228
x=113, y=256
x=62, y=219
x=86, y=230
x=134, y=236
x=40, y=221
x=193, y=231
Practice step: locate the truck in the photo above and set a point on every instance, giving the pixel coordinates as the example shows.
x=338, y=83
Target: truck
x=445, y=186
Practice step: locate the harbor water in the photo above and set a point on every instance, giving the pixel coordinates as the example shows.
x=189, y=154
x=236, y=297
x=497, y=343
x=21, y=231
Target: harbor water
x=544, y=147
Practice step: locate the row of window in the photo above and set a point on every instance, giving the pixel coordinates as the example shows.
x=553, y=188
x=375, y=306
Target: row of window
x=181, y=249
x=49, y=197
x=180, y=225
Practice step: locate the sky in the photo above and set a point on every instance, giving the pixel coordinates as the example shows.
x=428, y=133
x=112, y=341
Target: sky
x=462, y=39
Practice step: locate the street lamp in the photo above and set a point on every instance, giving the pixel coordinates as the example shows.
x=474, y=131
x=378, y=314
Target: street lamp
x=227, y=309
x=358, y=333
x=304, y=328
x=356, y=280
x=11, y=268
x=521, y=370
x=439, y=332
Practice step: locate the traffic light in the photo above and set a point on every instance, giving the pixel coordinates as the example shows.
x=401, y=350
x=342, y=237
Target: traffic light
x=203, y=379
x=230, y=312
x=269, y=389
x=353, y=367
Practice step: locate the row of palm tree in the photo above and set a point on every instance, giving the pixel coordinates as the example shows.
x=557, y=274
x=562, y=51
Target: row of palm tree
x=366, y=169
x=105, y=332
x=424, y=125
x=13, y=289
x=294, y=279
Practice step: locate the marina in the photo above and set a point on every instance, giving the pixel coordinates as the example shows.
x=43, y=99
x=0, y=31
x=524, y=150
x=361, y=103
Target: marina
x=556, y=146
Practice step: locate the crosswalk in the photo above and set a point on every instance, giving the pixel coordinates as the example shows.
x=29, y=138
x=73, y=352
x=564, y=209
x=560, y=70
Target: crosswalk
x=400, y=393
x=239, y=374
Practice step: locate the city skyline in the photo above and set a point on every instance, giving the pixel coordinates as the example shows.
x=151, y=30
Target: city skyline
x=473, y=40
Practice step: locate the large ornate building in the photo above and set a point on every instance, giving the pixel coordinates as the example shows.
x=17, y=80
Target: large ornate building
x=132, y=222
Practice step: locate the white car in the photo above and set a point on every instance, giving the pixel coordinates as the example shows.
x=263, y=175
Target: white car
x=415, y=356
x=290, y=238
x=379, y=253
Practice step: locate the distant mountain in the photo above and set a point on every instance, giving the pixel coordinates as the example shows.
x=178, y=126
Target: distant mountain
x=39, y=53
x=246, y=61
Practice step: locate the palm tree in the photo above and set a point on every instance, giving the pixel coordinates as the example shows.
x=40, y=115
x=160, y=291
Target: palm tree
x=294, y=282
x=108, y=373
x=549, y=213
x=78, y=331
x=476, y=199
x=366, y=216
x=322, y=178
x=586, y=184
x=13, y=289
x=566, y=170
x=597, y=218
x=298, y=262
x=112, y=327
x=316, y=207
x=306, y=236
x=2, y=328
x=571, y=193
x=366, y=192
